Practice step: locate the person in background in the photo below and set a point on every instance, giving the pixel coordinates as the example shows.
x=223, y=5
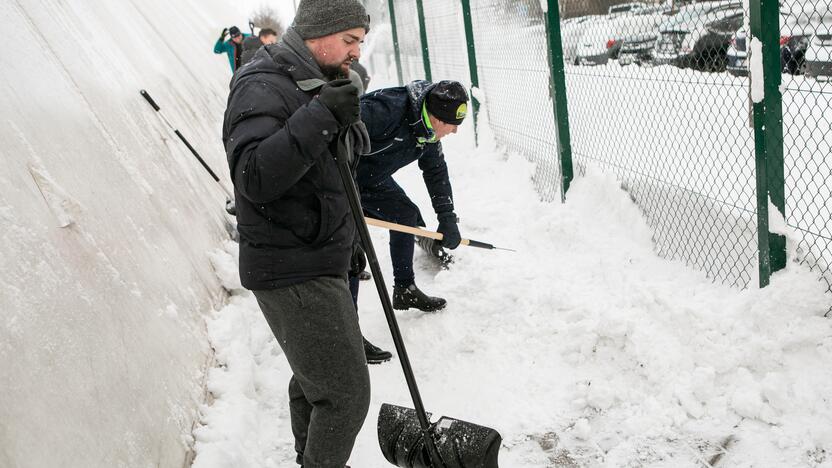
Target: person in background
x=266, y=36
x=232, y=47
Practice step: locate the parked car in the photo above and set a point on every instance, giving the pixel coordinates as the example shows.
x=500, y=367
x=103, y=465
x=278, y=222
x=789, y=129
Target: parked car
x=792, y=52
x=626, y=8
x=638, y=49
x=819, y=54
x=603, y=40
x=799, y=21
x=698, y=36
x=571, y=31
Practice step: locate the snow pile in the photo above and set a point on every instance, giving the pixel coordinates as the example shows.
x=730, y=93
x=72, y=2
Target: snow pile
x=583, y=347
x=105, y=218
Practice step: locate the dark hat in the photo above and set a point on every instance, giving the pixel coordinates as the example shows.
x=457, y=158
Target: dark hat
x=448, y=102
x=318, y=18
x=234, y=31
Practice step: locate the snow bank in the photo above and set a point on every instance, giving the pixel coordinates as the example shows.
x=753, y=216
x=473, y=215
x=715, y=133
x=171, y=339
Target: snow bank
x=104, y=223
x=583, y=348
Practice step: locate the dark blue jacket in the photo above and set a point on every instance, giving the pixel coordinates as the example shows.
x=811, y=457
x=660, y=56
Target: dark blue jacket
x=393, y=117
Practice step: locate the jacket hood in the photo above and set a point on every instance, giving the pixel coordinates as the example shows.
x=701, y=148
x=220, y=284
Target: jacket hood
x=417, y=92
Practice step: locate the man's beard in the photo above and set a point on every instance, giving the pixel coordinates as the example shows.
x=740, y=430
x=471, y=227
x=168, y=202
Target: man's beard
x=333, y=72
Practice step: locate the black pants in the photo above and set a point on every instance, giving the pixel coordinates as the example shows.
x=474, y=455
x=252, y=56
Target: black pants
x=388, y=202
x=316, y=325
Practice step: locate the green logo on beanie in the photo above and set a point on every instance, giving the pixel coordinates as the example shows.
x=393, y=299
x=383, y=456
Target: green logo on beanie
x=461, y=111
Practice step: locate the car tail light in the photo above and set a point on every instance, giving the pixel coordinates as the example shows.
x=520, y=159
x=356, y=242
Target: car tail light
x=610, y=43
x=784, y=40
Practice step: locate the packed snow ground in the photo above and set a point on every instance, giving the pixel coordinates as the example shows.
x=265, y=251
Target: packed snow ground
x=583, y=348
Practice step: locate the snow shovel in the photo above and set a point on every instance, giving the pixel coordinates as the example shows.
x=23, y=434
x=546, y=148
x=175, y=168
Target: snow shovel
x=406, y=436
x=229, y=201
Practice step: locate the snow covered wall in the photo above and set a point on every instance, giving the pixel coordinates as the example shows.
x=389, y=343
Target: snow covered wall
x=105, y=219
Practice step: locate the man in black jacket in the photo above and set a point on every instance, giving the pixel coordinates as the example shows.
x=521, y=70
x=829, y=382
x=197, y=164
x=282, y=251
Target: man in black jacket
x=297, y=236
x=405, y=124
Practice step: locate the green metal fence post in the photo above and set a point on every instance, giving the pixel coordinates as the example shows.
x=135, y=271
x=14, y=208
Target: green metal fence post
x=423, y=35
x=472, y=60
x=396, y=49
x=768, y=135
x=558, y=83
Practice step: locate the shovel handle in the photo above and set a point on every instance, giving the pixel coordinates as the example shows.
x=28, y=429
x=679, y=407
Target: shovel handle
x=149, y=100
x=343, y=153
x=422, y=232
x=402, y=228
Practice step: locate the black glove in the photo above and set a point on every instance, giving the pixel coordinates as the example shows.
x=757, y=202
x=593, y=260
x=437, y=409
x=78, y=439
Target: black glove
x=449, y=230
x=223, y=34
x=360, y=138
x=358, y=262
x=341, y=98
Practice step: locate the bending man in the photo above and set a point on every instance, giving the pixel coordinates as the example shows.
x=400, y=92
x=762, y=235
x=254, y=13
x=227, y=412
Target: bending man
x=405, y=125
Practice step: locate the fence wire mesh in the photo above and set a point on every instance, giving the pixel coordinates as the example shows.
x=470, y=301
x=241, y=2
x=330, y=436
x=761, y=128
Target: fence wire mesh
x=649, y=99
x=410, y=46
x=806, y=59
x=514, y=77
x=659, y=94
x=446, y=42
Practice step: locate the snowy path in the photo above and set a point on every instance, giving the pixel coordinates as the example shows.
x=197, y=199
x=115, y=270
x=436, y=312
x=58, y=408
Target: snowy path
x=631, y=360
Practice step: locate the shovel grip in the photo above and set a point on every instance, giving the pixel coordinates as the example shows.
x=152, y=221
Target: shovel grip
x=149, y=100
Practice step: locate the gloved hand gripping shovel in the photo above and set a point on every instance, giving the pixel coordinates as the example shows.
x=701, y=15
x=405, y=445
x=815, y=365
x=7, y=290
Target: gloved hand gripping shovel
x=406, y=436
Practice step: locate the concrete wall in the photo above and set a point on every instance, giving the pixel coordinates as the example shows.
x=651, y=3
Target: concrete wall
x=105, y=220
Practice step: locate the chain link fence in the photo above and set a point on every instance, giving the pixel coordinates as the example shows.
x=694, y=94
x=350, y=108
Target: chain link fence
x=806, y=55
x=514, y=77
x=659, y=94
x=410, y=46
x=649, y=99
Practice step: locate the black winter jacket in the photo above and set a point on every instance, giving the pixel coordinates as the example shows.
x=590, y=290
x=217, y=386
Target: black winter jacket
x=292, y=212
x=393, y=117
x=250, y=47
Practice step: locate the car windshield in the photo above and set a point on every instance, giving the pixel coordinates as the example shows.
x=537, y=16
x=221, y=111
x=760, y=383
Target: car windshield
x=693, y=14
x=622, y=8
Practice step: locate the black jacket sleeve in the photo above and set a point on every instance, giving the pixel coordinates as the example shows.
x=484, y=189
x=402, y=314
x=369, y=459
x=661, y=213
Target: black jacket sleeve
x=269, y=149
x=435, y=172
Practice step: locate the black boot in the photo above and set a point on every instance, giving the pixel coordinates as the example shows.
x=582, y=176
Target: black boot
x=374, y=354
x=365, y=276
x=434, y=249
x=412, y=297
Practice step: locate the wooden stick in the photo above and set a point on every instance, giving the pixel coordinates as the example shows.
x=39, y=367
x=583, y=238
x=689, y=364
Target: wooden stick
x=425, y=233
x=405, y=229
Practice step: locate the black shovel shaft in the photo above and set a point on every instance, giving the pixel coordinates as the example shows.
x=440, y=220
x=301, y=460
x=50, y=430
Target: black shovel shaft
x=198, y=157
x=384, y=296
x=205, y=165
x=482, y=245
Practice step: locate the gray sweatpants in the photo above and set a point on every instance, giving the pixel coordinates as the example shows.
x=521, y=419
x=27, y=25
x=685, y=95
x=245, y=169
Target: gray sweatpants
x=316, y=324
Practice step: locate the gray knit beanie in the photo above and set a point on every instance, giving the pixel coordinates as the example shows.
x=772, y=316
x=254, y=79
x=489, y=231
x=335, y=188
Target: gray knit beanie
x=318, y=18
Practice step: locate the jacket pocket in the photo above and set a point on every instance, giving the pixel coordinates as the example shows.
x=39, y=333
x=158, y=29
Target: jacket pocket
x=325, y=222
x=308, y=219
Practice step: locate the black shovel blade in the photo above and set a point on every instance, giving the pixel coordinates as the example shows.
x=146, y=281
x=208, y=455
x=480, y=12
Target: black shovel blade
x=460, y=444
